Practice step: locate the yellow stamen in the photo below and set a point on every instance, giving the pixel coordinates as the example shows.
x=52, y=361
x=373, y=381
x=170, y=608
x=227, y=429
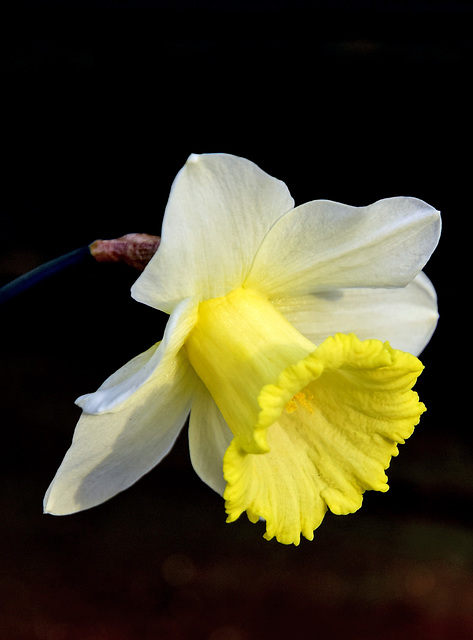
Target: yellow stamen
x=303, y=399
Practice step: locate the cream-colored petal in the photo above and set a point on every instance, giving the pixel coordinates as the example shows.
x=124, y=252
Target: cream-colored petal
x=405, y=316
x=148, y=365
x=323, y=245
x=219, y=210
x=209, y=438
x=111, y=451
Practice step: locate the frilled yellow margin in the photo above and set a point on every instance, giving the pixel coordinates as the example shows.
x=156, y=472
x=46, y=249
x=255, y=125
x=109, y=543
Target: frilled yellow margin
x=334, y=420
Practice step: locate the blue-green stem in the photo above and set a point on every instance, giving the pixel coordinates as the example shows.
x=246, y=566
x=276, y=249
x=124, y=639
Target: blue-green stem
x=43, y=272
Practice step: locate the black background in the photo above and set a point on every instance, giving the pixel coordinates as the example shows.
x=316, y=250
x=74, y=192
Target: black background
x=102, y=103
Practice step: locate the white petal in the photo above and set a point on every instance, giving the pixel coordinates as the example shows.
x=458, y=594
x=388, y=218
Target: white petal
x=111, y=451
x=209, y=438
x=220, y=208
x=324, y=245
x=124, y=382
x=406, y=317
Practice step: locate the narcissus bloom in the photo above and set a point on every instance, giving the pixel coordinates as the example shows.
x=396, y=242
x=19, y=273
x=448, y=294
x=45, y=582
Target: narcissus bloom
x=277, y=346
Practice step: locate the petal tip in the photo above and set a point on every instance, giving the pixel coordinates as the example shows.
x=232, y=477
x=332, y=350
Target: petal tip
x=54, y=507
x=49, y=507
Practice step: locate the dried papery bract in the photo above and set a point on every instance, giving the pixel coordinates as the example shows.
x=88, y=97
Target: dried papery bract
x=133, y=249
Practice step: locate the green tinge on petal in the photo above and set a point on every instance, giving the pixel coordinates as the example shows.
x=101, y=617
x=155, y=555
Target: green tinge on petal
x=331, y=442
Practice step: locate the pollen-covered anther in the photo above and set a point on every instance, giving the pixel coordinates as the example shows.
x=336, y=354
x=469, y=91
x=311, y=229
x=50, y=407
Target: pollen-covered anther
x=300, y=398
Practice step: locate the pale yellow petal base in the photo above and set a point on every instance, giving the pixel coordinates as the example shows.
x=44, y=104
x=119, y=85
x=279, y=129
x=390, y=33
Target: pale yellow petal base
x=331, y=436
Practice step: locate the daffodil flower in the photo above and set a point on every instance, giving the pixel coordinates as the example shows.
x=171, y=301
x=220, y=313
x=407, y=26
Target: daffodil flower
x=277, y=345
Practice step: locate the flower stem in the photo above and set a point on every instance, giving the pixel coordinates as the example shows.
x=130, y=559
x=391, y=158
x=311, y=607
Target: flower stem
x=43, y=272
x=133, y=249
